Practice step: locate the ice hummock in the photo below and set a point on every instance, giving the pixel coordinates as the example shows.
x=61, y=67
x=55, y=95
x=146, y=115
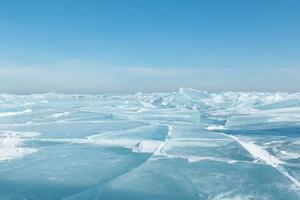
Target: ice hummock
x=183, y=145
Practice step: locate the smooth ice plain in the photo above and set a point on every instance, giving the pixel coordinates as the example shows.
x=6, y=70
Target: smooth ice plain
x=164, y=146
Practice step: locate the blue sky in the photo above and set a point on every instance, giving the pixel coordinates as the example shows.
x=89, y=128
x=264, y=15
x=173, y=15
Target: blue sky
x=91, y=46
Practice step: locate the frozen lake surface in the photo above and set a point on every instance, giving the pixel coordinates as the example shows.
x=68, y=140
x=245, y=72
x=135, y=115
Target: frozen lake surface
x=162, y=146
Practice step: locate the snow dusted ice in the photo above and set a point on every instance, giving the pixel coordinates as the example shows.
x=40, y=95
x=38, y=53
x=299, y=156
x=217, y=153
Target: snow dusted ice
x=183, y=145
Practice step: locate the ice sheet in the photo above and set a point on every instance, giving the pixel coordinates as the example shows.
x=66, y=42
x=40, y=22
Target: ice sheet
x=182, y=145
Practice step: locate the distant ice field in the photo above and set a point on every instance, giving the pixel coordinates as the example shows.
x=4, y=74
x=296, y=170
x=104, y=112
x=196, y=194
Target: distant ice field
x=162, y=146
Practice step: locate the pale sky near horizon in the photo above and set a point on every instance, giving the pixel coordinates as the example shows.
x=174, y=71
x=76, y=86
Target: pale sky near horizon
x=77, y=46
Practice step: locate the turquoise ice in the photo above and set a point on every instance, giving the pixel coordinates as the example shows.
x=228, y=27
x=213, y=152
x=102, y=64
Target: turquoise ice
x=184, y=145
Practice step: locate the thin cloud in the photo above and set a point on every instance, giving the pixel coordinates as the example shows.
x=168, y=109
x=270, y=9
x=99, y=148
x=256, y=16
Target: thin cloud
x=157, y=72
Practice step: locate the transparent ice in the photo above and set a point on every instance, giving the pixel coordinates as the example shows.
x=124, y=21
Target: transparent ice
x=184, y=145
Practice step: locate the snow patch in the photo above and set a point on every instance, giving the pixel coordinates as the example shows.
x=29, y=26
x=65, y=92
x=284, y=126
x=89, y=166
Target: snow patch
x=10, y=114
x=11, y=147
